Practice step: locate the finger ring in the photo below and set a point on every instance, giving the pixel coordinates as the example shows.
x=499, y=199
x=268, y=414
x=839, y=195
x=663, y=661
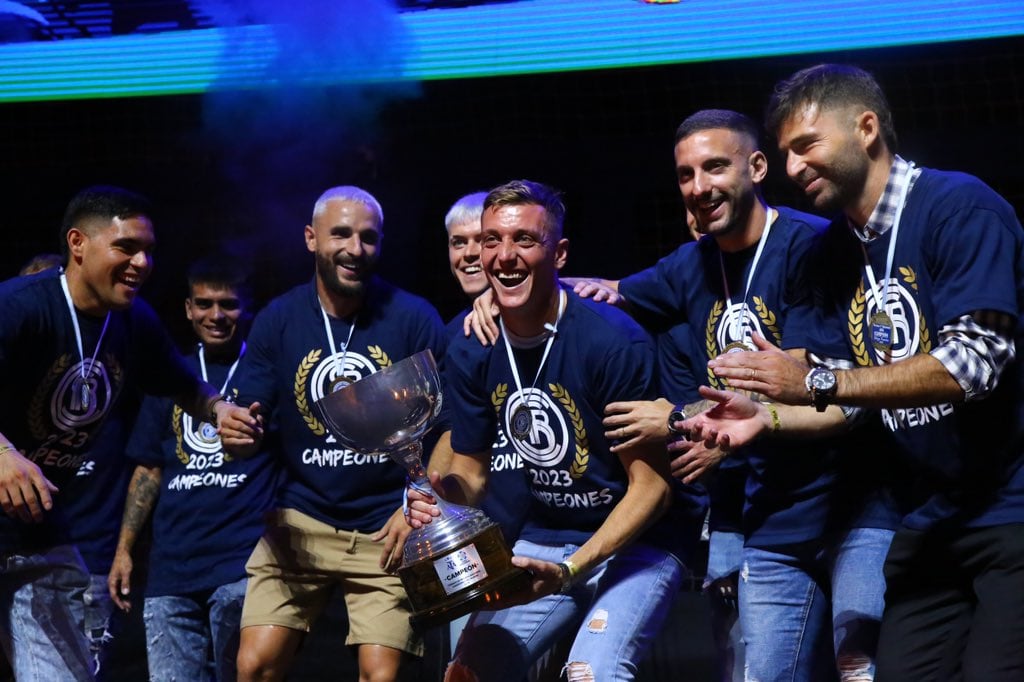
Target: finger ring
x=753, y=372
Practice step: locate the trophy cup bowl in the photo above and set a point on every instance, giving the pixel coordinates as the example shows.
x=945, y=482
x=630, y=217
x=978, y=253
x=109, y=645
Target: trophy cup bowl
x=460, y=561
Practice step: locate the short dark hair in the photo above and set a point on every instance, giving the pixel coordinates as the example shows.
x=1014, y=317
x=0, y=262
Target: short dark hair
x=520, y=192
x=712, y=119
x=220, y=271
x=105, y=202
x=830, y=86
x=41, y=262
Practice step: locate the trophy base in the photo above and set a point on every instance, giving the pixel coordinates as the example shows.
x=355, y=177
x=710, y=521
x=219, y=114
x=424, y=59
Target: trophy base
x=475, y=574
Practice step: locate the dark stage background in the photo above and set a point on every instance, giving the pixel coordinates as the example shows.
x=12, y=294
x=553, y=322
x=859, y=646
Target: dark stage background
x=244, y=169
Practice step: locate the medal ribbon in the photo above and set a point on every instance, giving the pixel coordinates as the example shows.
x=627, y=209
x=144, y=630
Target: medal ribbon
x=78, y=337
x=744, y=331
x=880, y=303
x=339, y=367
x=551, y=330
x=231, y=371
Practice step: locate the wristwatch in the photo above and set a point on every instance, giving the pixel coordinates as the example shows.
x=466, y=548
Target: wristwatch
x=677, y=414
x=821, y=385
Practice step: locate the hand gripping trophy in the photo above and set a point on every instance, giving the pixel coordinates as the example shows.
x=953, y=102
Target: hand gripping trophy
x=460, y=562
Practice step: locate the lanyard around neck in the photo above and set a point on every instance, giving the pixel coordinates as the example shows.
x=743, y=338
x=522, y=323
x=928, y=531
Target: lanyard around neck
x=880, y=302
x=339, y=367
x=231, y=371
x=78, y=332
x=742, y=321
x=551, y=330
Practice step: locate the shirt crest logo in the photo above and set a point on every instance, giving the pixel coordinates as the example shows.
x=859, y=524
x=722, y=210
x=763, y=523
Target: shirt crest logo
x=910, y=333
x=547, y=442
x=319, y=375
x=724, y=331
x=60, y=394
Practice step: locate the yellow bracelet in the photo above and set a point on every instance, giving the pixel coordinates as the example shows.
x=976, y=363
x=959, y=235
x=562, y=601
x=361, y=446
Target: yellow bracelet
x=574, y=570
x=776, y=424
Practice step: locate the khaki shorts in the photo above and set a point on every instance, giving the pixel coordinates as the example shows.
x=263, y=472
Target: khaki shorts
x=296, y=567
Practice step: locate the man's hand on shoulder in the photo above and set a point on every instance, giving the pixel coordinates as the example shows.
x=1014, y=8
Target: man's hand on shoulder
x=481, y=319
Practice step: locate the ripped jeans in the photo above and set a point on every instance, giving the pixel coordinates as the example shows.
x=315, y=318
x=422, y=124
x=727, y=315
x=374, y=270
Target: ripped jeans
x=183, y=634
x=42, y=615
x=812, y=611
x=102, y=622
x=618, y=608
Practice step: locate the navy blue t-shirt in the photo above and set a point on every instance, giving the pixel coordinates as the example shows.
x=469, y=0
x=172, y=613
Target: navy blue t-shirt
x=507, y=499
x=790, y=490
x=93, y=500
x=959, y=249
x=41, y=409
x=289, y=367
x=599, y=356
x=210, y=502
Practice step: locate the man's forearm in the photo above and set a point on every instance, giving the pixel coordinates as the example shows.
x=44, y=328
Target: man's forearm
x=200, y=403
x=143, y=490
x=647, y=499
x=918, y=381
x=466, y=479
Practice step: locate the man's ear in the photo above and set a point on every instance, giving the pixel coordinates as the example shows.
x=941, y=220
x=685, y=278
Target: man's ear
x=310, y=235
x=758, y=166
x=76, y=240
x=561, y=253
x=868, y=129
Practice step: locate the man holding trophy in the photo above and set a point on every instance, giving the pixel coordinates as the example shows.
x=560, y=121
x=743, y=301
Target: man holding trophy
x=337, y=508
x=595, y=542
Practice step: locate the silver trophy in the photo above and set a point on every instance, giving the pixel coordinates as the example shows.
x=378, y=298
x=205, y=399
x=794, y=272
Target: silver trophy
x=460, y=562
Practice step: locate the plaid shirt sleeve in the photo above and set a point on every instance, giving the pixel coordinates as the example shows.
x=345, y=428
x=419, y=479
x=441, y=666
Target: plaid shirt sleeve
x=975, y=349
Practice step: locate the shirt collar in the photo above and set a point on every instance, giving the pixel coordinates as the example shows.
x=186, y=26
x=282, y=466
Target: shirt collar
x=884, y=214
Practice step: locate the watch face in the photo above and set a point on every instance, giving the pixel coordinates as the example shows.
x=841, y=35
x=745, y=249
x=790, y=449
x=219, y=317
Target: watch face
x=823, y=380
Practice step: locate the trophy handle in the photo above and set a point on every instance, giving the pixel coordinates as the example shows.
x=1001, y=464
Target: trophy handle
x=410, y=457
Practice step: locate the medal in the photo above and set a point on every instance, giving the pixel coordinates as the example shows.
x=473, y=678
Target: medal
x=339, y=384
x=207, y=432
x=85, y=394
x=522, y=422
x=736, y=347
x=84, y=389
x=881, y=332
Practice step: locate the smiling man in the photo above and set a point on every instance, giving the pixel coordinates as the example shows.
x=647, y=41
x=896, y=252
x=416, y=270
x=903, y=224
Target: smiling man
x=71, y=343
x=337, y=510
x=199, y=497
x=595, y=539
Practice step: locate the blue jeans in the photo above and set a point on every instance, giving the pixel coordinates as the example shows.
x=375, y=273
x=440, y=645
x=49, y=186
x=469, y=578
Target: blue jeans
x=725, y=556
x=101, y=620
x=181, y=631
x=42, y=622
x=624, y=601
x=791, y=595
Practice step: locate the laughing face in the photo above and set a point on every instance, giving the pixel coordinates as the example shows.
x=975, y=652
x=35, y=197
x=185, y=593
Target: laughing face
x=109, y=262
x=522, y=256
x=464, y=252
x=214, y=311
x=346, y=240
x=717, y=170
x=825, y=156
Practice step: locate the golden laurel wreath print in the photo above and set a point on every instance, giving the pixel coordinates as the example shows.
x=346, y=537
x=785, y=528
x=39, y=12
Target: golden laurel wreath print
x=855, y=321
x=498, y=396
x=299, y=388
x=37, y=406
x=582, y=457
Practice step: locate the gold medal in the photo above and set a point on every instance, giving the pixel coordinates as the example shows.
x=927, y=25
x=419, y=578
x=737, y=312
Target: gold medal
x=737, y=347
x=881, y=333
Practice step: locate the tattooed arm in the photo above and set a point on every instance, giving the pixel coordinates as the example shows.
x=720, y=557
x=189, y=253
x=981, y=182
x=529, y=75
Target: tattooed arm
x=143, y=490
